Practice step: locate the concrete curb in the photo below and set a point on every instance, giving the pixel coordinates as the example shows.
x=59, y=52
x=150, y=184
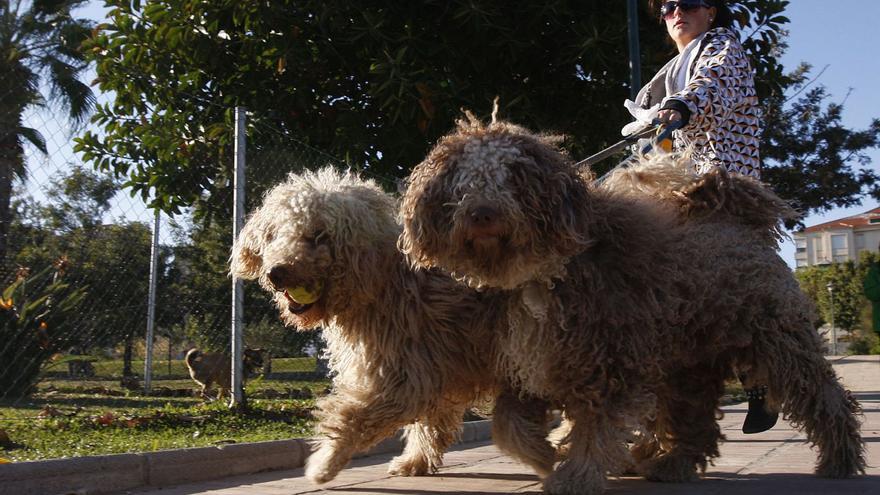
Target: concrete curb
x=106, y=474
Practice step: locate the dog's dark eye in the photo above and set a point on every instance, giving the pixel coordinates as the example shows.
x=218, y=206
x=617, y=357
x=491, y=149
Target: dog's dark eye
x=315, y=237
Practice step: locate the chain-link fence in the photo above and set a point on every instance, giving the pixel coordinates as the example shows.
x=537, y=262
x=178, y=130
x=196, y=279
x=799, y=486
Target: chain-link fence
x=75, y=273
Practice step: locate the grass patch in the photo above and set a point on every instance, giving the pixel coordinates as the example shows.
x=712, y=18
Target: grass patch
x=733, y=393
x=111, y=369
x=78, y=417
x=44, y=430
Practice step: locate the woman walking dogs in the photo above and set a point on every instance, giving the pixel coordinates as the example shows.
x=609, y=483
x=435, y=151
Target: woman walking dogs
x=710, y=86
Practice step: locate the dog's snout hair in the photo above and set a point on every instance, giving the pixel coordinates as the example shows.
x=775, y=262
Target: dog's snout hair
x=279, y=275
x=490, y=191
x=483, y=217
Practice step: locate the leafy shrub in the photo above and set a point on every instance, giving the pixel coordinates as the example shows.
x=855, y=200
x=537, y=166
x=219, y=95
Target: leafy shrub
x=34, y=325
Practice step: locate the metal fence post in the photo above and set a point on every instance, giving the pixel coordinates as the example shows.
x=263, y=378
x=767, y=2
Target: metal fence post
x=151, y=306
x=635, y=66
x=238, y=400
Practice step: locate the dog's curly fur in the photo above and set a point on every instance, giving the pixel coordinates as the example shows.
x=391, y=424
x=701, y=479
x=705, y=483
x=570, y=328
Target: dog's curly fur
x=628, y=303
x=406, y=347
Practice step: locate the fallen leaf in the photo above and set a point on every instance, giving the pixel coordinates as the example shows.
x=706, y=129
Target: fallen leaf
x=49, y=412
x=105, y=419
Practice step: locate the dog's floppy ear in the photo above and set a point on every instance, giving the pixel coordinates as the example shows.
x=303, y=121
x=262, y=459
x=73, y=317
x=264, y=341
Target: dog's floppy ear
x=425, y=212
x=246, y=259
x=555, y=197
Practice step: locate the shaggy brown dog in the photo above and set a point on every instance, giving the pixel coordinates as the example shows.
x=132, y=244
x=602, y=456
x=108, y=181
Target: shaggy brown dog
x=406, y=347
x=621, y=311
x=210, y=368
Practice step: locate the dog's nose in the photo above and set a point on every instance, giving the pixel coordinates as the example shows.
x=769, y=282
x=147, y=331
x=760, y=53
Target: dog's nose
x=278, y=275
x=483, y=216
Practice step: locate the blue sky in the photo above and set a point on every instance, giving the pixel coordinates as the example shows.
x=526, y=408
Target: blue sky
x=841, y=34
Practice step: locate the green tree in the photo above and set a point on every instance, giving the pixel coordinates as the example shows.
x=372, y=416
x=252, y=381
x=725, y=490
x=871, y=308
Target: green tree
x=836, y=290
x=809, y=156
x=376, y=83
x=39, y=48
x=109, y=261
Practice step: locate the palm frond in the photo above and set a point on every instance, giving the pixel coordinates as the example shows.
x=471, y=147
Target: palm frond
x=65, y=89
x=34, y=137
x=56, y=7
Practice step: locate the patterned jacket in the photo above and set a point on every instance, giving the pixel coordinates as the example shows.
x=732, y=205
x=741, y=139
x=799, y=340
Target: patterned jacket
x=724, y=125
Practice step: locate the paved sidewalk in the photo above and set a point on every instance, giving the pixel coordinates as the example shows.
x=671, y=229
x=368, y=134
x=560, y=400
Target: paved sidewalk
x=777, y=462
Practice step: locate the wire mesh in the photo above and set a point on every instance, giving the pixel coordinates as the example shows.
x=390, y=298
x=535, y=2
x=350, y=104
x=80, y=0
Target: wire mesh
x=73, y=313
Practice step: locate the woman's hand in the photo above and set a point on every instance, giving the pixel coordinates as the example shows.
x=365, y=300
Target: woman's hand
x=668, y=115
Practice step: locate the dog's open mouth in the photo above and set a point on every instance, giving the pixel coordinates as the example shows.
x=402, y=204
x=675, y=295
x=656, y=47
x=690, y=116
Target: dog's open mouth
x=295, y=307
x=302, y=298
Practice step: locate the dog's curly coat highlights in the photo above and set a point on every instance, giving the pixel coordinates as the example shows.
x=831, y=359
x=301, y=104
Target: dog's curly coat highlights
x=406, y=347
x=628, y=303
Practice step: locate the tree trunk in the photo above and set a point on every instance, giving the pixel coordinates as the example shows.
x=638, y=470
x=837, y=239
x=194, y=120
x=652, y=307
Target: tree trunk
x=14, y=99
x=10, y=154
x=126, y=357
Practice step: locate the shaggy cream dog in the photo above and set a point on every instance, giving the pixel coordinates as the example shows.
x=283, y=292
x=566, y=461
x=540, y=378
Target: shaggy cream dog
x=622, y=311
x=406, y=347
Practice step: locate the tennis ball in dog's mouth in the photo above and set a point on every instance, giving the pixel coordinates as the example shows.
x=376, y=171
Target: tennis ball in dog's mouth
x=305, y=295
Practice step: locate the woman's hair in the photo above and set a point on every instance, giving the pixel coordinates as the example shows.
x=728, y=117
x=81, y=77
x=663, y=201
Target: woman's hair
x=723, y=18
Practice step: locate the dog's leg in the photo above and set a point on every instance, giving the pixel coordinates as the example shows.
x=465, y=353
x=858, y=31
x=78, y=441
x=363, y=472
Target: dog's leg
x=519, y=428
x=558, y=438
x=351, y=424
x=813, y=399
x=426, y=442
x=645, y=447
x=205, y=391
x=686, y=425
x=596, y=445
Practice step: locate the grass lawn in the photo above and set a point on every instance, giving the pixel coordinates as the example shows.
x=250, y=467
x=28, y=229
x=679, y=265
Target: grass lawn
x=70, y=418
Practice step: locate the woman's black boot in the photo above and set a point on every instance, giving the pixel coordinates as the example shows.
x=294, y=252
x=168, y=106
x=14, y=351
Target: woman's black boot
x=759, y=418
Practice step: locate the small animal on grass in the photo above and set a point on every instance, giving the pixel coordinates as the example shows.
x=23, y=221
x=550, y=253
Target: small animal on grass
x=215, y=369
x=80, y=368
x=628, y=310
x=407, y=348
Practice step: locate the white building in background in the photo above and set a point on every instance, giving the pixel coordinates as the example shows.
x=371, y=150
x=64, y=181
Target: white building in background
x=838, y=240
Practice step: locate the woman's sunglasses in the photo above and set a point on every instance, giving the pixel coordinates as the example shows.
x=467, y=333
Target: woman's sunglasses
x=668, y=8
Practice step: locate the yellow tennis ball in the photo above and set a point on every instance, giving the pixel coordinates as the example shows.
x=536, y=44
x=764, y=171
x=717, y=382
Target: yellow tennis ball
x=304, y=295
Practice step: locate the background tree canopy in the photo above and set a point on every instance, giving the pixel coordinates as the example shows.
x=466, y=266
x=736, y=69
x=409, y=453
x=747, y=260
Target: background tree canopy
x=40, y=64
x=376, y=83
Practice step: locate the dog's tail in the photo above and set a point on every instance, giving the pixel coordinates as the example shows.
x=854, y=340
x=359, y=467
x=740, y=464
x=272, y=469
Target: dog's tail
x=720, y=195
x=715, y=195
x=192, y=355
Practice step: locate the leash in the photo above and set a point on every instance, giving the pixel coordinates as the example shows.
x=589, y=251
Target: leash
x=618, y=146
x=660, y=131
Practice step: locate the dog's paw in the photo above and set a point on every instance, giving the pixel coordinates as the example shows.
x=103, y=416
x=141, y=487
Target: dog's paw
x=324, y=464
x=574, y=478
x=411, y=466
x=669, y=468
